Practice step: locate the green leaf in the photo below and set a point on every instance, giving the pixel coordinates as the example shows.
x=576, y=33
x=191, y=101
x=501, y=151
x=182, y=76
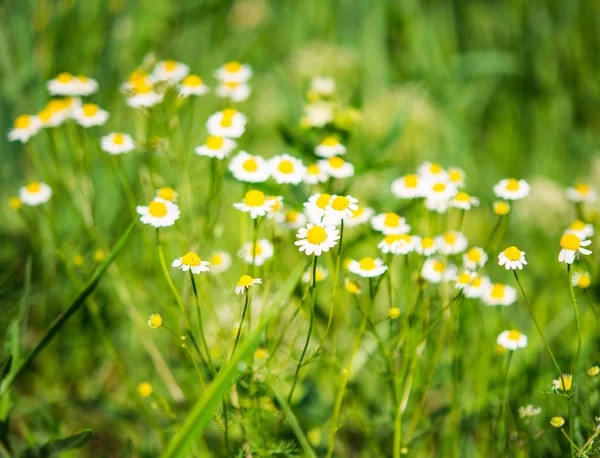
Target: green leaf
x=5, y=365
x=53, y=447
x=201, y=412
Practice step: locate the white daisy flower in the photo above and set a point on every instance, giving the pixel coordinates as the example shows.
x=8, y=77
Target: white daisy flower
x=436, y=271
x=321, y=274
x=511, y=340
x=54, y=114
x=227, y=123
x=367, y=267
x=314, y=174
x=581, y=229
x=452, y=242
x=478, y=287
x=316, y=239
x=217, y=147
x=457, y=177
x=276, y=208
x=234, y=72
x=167, y=194
x=90, y=114
x=474, y=258
x=192, y=85
x=245, y=282
x=159, y=213
x=464, y=201
x=170, y=71
x=191, y=261
x=581, y=193
x=329, y=147
x=69, y=85
x=397, y=244
x=236, y=92
x=581, y=280
x=438, y=195
x=359, y=216
x=499, y=294
x=143, y=94
x=323, y=86
x=464, y=279
x=512, y=258
x=571, y=246
x=35, y=193
x=390, y=223
x=432, y=171
x=117, y=143
x=512, y=189
x=220, y=261
x=256, y=203
x=315, y=209
x=250, y=169
x=25, y=127
x=85, y=86
x=318, y=114
x=287, y=169
x=261, y=254
x=341, y=207
x=426, y=246
x=408, y=187
x=336, y=167
x=291, y=219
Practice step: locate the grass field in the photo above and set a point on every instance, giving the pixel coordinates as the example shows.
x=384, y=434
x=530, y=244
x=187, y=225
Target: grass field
x=99, y=332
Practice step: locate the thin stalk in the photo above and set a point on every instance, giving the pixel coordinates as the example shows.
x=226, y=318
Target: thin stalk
x=505, y=395
x=577, y=357
x=201, y=325
x=239, y=331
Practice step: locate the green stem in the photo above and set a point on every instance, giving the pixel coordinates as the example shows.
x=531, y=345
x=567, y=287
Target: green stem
x=577, y=357
x=201, y=325
x=239, y=331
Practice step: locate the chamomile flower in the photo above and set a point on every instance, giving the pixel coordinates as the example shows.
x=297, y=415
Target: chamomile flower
x=329, y=147
x=397, y=244
x=245, y=282
x=234, y=91
x=367, y=267
x=318, y=114
x=248, y=168
x=314, y=174
x=336, y=167
x=438, y=195
x=581, y=229
x=262, y=252
x=315, y=208
x=316, y=239
x=25, y=127
x=217, y=147
x=408, y=187
x=389, y=223
x=432, y=171
x=563, y=383
x=69, y=85
x=511, y=340
x=170, y=71
x=452, y=242
x=512, y=189
x=117, y=143
x=144, y=389
x=142, y=94
x=321, y=274
x=581, y=280
x=234, y=71
x=90, y=114
x=287, y=169
x=474, y=258
x=478, y=287
x=571, y=246
x=323, y=86
x=35, y=193
x=557, y=422
x=220, y=261
x=499, y=294
x=256, y=203
x=436, y=271
x=155, y=321
x=291, y=219
x=166, y=194
x=352, y=286
x=159, y=213
x=457, y=176
x=464, y=201
x=426, y=246
x=501, y=208
x=359, y=216
x=54, y=113
x=464, y=279
x=341, y=207
x=512, y=258
x=192, y=85
x=191, y=261
x=581, y=193
x=227, y=123
x=85, y=85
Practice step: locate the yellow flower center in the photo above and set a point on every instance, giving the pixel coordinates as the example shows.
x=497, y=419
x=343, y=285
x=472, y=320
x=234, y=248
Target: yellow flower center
x=313, y=169
x=439, y=187
x=497, y=291
x=137, y=76
x=514, y=335
x=358, y=212
x=277, y=205
x=462, y=197
x=391, y=220
x=232, y=67
x=34, y=187
x=255, y=198
x=55, y=105
x=286, y=166
x=578, y=225
x=435, y=168
x=170, y=65
x=214, y=142
x=512, y=185
x=450, y=238
x=439, y=266
x=584, y=281
x=90, y=109
x=476, y=283
x=320, y=274
x=256, y=249
x=330, y=141
x=64, y=78
x=291, y=216
x=582, y=188
x=260, y=353
x=22, y=122
x=391, y=238
x=192, y=81
x=83, y=78
x=166, y=194
x=340, y=203
x=45, y=115
x=141, y=86
x=411, y=181
x=216, y=260
x=316, y=235
x=464, y=278
x=394, y=313
x=565, y=383
x=336, y=162
x=512, y=253
x=474, y=255
x=157, y=209
x=118, y=139
x=250, y=165
x=228, y=115
x=427, y=242
x=231, y=84
x=570, y=242
x=144, y=389
x=323, y=201
x=455, y=176
x=352, y=287
x=15, y=203
x=367, y=264
x=501, y=208
x=155, y=321
x=190, y=259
